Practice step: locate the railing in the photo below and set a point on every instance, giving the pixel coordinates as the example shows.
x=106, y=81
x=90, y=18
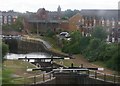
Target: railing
x=104, y=77
x=37, y=79
x=34, y=79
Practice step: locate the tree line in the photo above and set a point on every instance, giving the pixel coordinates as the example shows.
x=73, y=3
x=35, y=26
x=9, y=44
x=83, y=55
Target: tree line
x=94, y=47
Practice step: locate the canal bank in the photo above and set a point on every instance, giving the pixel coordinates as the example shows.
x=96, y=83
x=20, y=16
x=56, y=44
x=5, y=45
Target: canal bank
x=30, y=45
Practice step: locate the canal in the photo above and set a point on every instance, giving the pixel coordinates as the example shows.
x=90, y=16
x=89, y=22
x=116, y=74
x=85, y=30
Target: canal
x=13, y=56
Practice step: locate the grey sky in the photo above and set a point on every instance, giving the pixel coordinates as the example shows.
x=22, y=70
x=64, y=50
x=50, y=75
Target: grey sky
x=34, y=5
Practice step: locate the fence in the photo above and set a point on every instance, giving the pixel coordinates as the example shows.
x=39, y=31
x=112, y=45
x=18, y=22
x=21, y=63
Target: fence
x=34, y=79
x=49, y=76
x=104, y=77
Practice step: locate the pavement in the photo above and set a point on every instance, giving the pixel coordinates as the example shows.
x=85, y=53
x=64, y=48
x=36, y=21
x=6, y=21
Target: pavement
x=38, y=39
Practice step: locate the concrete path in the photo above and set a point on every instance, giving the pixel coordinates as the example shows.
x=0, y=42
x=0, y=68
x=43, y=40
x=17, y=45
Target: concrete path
x=38, y=39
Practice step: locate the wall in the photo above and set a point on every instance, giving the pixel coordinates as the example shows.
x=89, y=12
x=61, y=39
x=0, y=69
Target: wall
x=73, y=21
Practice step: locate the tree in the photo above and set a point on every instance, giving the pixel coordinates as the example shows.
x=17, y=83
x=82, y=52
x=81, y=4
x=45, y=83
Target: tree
x=91, y=51
x=69, y=13
x=84, y=42
x=16, y=26
x=5, y=50
x=73, y=46
x=75, y=36
x=114, y=62
x=99, y=33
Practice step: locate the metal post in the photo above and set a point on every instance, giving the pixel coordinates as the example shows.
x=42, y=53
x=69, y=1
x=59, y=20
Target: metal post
x=114, y=78
x=72, y=65
x=81, y=65
x=104, y=77
x=50, y=76
x=37, y=28
x=34, y=80
x=95, y=74
x=43, y=77
x=52, y=61
x=88, y=72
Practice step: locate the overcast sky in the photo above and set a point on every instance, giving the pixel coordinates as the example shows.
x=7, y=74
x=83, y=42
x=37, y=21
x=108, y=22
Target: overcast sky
x=51, y=5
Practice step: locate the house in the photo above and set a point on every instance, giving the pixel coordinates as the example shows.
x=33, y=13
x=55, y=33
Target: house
x=74, y=22
x=9, y=17
x=43, y=20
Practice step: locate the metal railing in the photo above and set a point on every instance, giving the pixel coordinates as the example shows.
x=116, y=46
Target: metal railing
x=34, y=79
x=104, y=77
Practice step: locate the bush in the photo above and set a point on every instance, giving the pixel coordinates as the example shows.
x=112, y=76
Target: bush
x=50, y=33
x=5, y=50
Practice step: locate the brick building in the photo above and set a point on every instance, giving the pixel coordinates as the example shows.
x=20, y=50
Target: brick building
x=9, y=17
x=85, y=21
x=43, y=20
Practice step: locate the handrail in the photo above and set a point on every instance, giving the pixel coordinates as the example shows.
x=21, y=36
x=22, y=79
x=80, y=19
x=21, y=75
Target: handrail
x=104, y=77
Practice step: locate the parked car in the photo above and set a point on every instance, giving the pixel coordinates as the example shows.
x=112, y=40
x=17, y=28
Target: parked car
x=64, y=34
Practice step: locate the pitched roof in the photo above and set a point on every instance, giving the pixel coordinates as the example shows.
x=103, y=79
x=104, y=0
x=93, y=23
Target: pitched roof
x=106, y=14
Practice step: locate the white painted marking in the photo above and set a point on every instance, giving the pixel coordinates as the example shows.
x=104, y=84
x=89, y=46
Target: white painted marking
x=28, y=70
x=101, y=69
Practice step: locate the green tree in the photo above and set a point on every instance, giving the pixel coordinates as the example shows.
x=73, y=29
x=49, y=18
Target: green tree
x=50, y=33
x=16, y=26
x=91, y=51
x=102, y=51
x=114, y=62
x=73, y=46
x=5, y=49
x=75, y=36
x=84, y=42
x=99, y=33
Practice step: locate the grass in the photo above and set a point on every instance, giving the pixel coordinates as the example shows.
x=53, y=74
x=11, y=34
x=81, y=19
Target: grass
x=18, y=69
x=100, y=63
x=52, y=42
x=67, y=63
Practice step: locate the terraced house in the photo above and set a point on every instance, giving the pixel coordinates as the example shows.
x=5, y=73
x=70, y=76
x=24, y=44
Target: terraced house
x=108, y=19
x=9, y=17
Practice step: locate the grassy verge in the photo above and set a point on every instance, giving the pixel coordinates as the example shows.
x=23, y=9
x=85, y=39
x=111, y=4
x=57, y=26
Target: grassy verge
x=17, y=71
x=52, y=42
x=100, y=63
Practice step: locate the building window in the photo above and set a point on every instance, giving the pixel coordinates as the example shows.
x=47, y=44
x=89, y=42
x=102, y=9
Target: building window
x=103, y=22
x=113, y=23
x=94, y=22
x=107, y=23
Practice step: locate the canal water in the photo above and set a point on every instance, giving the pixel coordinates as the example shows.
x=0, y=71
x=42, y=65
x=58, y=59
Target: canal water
x=12, y=56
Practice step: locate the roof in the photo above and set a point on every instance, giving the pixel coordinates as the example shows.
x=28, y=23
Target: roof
x=106, y=14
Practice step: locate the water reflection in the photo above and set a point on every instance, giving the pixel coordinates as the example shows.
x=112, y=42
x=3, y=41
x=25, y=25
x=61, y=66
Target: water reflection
x=12, y=56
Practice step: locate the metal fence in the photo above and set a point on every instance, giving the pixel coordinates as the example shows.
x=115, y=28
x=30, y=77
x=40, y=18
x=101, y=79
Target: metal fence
x=104, y=77
x=34, y=79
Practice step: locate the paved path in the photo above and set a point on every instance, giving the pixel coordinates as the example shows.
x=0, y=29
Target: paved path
x=38, y=39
